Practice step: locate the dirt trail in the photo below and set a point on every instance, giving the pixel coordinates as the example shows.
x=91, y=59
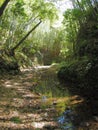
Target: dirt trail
x=20, y=108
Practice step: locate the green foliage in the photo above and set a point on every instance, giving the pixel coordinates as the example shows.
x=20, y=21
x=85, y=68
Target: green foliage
x=44, y=10
x=1, y=2
x=82, y=69
x=18, y=19
x=83, y=73
x=87, y=41
x=15, y=120
x=23, y=59
x=71, y=24
x=18, y=8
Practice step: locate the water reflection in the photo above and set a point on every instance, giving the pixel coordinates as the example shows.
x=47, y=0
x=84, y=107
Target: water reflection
x=53, y=95
x=50, y=86
x=66, y=120
x=44, y=98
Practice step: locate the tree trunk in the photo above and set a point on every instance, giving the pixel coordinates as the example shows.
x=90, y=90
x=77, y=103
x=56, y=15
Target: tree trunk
x=2, y=8
x=22, y=40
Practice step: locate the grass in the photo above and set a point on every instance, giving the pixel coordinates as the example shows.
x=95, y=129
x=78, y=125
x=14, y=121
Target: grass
x=16, y=120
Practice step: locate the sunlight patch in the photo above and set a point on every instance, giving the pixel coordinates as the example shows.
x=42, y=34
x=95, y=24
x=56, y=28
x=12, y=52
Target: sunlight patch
x=43, y=124
x=9, y=86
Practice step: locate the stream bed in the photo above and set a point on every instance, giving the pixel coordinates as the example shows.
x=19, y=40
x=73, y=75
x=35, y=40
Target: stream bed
x=55, y=95
x=36, y=100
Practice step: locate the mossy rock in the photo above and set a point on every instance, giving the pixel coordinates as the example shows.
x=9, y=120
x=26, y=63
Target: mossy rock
x=9, y=66
x=82, y=75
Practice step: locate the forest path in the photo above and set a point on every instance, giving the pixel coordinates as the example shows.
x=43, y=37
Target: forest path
x=20, y=107
x=24, y=107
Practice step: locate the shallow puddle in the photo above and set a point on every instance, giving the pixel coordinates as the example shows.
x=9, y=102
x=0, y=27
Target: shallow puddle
x=54, y=95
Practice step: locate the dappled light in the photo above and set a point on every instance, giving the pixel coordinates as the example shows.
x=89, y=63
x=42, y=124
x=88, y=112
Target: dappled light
x=48, y=64
x=27, y=106
x=22, y=105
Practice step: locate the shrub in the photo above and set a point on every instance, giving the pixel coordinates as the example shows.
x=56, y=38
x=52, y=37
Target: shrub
x=83, y=74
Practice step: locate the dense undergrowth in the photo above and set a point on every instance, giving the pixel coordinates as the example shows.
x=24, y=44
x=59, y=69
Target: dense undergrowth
x=81, y=73
x=82, y=69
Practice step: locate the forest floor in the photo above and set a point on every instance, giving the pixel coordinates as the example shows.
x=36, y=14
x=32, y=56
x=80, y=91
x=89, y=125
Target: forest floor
x=23, y=109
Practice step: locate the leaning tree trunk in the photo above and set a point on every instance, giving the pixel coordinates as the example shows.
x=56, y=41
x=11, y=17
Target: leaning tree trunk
x=13, y=66
x=12, y=52
x=3, y=7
